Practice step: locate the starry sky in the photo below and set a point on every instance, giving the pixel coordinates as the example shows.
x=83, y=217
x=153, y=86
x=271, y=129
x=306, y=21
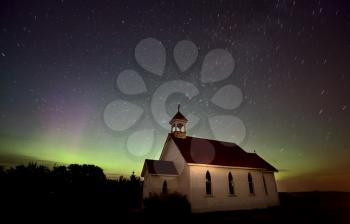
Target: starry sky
x=96, y=82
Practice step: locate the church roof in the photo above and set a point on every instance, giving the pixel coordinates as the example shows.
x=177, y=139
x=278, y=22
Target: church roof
x=159, y=167
x=179, y=116
x=212, y=152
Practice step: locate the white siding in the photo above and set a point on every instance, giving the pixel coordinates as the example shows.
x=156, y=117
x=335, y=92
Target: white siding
x=272, y=198
x=172, y=153
x=221, y=199
x=154, y=184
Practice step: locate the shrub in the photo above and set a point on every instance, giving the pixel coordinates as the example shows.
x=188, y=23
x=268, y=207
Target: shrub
x=167, y=203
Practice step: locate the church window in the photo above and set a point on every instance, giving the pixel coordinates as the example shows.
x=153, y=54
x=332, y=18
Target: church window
x=231, y=184
x=250, y=183
x=208, y=183
x=265, y=187
x=165, y=187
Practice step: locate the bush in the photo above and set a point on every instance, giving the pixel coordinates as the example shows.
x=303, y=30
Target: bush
x=167, y=203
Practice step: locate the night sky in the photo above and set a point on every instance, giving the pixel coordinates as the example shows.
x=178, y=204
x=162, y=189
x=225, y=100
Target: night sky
x=97, y=81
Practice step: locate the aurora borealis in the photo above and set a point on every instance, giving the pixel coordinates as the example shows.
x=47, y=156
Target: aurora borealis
x=60, y=62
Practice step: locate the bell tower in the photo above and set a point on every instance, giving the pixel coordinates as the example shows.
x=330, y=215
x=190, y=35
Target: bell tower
x=178, y=124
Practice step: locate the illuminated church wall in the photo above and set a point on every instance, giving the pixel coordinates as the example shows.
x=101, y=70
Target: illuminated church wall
x=220, y=199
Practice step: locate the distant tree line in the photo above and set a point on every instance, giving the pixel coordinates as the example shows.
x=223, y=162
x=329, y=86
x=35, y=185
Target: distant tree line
x=71, y=188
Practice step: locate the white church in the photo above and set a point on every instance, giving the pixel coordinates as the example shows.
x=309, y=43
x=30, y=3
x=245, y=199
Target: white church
x=214, y=175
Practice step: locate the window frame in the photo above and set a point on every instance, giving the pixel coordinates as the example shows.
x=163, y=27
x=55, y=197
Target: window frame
x=265, y=186
x=208, y=184
x=251, y=184
x=231, y=185
x=165, y=187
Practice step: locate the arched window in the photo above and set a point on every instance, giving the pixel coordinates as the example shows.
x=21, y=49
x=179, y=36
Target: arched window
x=208, y=183
x=250, y=183
x=231, y=188
x=165, y=187
x=265, y=187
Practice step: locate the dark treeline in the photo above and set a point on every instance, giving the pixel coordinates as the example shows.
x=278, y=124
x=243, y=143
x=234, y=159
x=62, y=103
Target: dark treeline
x=82, y=192
x=70, y=188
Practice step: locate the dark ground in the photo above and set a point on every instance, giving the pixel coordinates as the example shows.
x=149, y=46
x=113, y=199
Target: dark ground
x=303, y=207
x=307, y=207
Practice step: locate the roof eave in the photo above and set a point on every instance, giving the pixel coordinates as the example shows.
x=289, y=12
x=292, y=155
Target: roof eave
x=144, y=168
x=162, y=174
x=234, y=167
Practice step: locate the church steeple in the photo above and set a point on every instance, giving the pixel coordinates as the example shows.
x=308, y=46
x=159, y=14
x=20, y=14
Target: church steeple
x=178, y=124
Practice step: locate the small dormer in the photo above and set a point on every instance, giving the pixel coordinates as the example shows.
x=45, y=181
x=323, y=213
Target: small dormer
x=178, y=124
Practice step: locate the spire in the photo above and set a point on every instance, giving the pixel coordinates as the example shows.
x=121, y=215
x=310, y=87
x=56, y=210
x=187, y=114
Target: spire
x=178, y=116
x=178, y=124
